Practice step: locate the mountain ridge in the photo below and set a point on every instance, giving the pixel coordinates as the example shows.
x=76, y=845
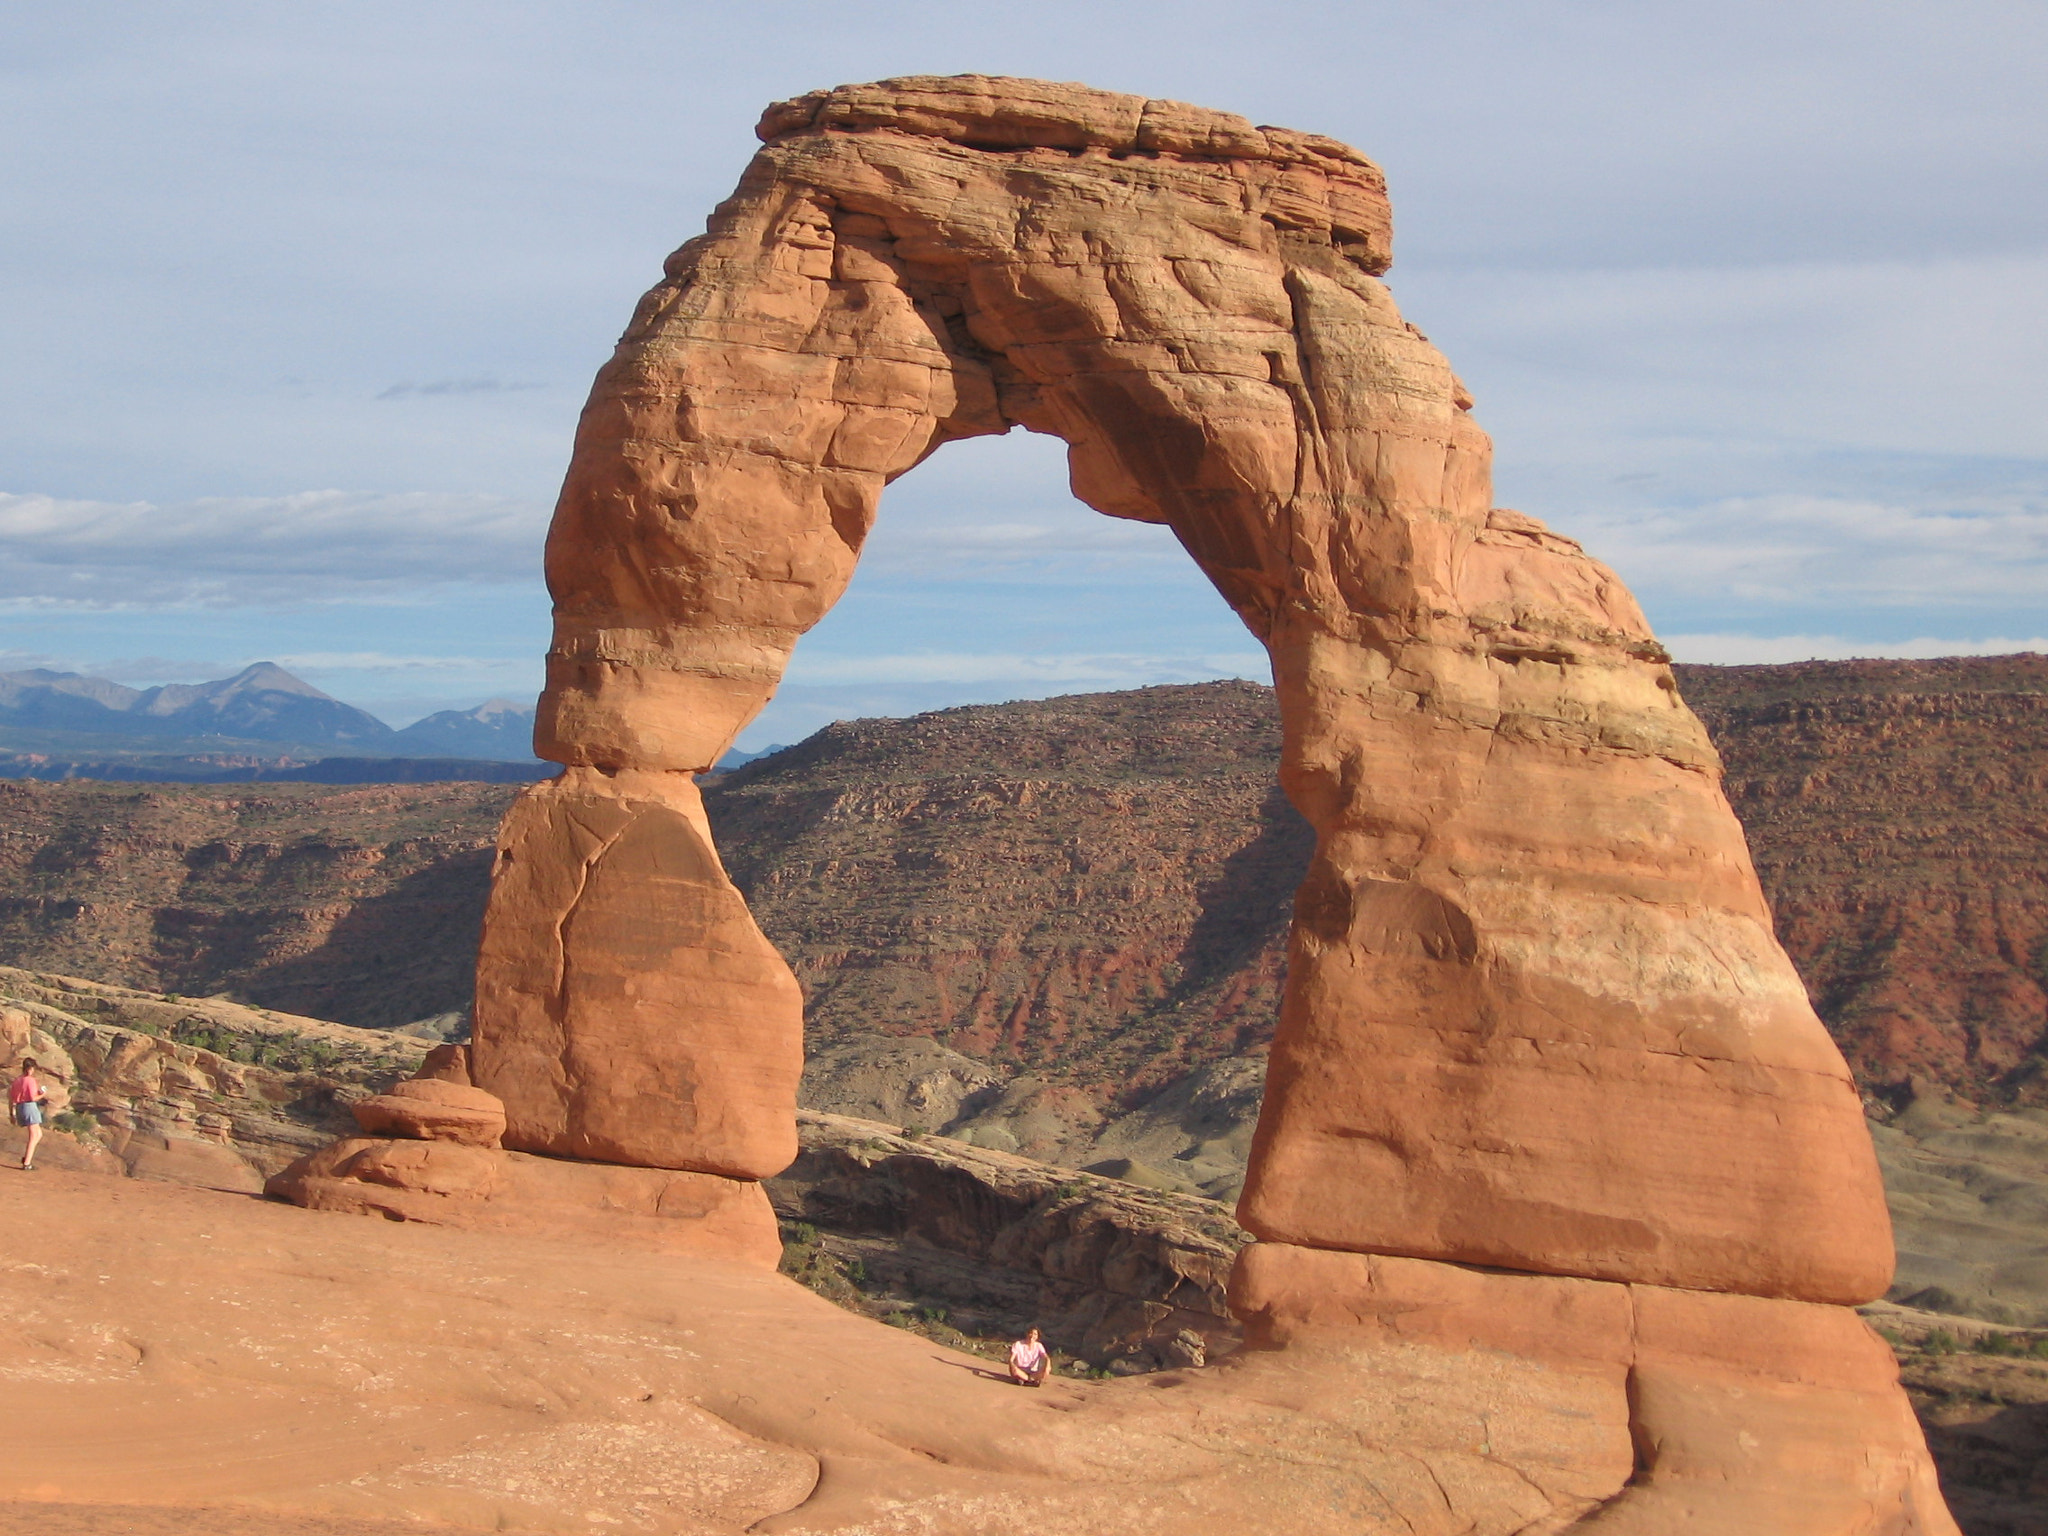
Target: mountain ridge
x=68, y=718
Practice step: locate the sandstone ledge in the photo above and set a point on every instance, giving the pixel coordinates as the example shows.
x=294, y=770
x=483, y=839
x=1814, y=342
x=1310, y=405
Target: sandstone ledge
x=1741, y=1414
x=444, y=1183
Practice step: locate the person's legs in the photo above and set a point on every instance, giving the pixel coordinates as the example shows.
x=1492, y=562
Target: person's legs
x=35, y=1135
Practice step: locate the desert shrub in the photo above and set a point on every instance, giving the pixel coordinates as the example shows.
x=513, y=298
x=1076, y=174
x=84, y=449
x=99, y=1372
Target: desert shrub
x=72, y=1123
x=1939, y=1341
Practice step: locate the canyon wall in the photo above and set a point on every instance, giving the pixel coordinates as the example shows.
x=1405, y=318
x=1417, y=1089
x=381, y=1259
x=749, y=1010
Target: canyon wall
x=1092, y=892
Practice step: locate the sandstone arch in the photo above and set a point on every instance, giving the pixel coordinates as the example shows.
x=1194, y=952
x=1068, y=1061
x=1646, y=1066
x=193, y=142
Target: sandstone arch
x=1536, y=1018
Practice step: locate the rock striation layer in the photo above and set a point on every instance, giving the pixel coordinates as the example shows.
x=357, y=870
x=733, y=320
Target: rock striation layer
x=1535, y=1019
x=1535, y=1014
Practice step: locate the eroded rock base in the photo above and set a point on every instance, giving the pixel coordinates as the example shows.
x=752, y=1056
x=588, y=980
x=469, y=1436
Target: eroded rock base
x=1710, y=1413
x=486, y=1189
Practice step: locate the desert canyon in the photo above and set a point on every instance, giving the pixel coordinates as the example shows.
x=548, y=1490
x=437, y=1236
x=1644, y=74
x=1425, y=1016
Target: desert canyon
x=1561, y=1197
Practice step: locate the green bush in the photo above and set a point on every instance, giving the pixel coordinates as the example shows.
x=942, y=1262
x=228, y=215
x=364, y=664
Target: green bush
x=72, y=1123
x=1939, y=1341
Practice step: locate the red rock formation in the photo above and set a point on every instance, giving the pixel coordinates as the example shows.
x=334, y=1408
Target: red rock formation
x=446, y=1183
x=1536, y=1017
x=433, y=1109
x=636, y=1013
x=1743, y=1414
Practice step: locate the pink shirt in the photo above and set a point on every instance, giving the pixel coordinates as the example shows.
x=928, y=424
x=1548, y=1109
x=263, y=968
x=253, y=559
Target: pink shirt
x=1027, y=1356
x=26, y=1090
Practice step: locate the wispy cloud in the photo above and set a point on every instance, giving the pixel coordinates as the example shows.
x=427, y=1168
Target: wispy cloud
x=1751, y=650
x=380, y=661
x=455, y=387
x=314, y=546
x=1815, y=552
x=1108, y=670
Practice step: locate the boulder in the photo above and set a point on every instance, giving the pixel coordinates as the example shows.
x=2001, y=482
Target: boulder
x=451, y=1184
x=433, y=1109
x=628, y=1010
x=447, y=1064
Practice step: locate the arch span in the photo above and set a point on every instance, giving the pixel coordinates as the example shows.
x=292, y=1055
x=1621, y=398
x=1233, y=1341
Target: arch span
x=1535, y=1016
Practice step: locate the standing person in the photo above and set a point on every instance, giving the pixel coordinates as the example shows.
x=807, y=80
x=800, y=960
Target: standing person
x=25, y=1099
x=1029, y=1361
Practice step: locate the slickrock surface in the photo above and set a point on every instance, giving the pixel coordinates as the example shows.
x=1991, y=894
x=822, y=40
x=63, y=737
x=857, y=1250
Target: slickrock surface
x=1969, y=1197
x=434, y=1109
x=601, y=1207
x=186, y=1350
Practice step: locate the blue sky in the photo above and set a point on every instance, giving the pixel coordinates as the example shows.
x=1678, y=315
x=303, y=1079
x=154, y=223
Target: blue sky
x=301, y=301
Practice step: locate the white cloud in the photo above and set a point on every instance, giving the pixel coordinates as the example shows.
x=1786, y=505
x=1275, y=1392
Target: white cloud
x=1751, y=650
x=453, y=387
x=1025, y=671
x=314, y=546
x=1818, y=552
x=1578, y=366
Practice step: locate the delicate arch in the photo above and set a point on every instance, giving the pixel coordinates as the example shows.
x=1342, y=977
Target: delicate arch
x=1535, y=1016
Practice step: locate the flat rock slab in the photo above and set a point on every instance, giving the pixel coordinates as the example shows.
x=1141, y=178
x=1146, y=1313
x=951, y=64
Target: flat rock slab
x=188, y=1351
x=445, y=1183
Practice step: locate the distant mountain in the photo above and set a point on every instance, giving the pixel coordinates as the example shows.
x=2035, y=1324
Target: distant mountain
x=260, y=703
x=738, y=759
x=498, y=729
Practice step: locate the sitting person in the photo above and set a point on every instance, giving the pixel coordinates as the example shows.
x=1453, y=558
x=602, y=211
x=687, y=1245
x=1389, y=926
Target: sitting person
x=1029, y=1361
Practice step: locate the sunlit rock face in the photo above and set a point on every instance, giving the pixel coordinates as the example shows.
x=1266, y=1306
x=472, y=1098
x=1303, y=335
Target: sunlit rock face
x=1536, y=1017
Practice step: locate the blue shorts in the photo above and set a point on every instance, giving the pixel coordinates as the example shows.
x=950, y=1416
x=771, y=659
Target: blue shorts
x=28, y=1114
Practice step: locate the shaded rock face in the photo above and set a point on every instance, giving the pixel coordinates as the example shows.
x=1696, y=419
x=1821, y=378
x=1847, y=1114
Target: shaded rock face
x=360, y=905
x=1534, y=1015
x=1093, y=890
x=1106, y=1271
